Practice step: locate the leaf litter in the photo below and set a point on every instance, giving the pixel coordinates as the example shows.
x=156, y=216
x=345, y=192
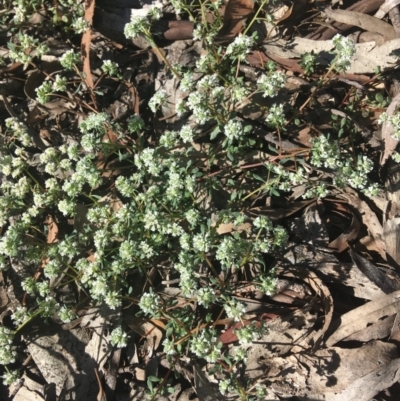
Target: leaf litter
x=334, y=336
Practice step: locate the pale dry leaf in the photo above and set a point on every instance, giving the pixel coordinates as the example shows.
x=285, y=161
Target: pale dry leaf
x=392, y=238
x=387, y=130
x=367, y=59
x=231, y=227
x=146, y=329
x=205, y=390
x=360, y=318
x=313, y=338
x=369, y=218
x=4, y=300
x=283, y=334
x=363, y=21
x=27, y=395
x=366, y=387
x=335, y=370
x=355, y=282
x=386, y=7
x=376, y=331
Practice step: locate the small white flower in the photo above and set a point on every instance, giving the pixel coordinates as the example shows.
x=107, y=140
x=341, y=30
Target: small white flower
x=119, y=338
x=240, y=47
x=233, y=129
x=150, y=303
x=186, y=133
x=159, y=99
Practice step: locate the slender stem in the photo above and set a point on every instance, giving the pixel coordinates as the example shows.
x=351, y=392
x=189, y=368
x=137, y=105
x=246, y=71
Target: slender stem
x=154, y=46
x=255, y=16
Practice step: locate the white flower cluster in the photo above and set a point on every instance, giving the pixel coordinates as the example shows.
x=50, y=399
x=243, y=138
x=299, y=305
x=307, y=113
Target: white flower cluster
x=110, y=68
x=206, y=296
x=270, y=84
x=10, y=376
x=148, y=161
x=267, y=283
x=150, y=303
x=206, y=345
x=25, y=48
x=276, y=116
x=158, y=100
x=393, y=121
x=19, y=130
x=66, y=314
x=198, y=103
x=249, y=333
x=7, y=350
x=317, y=191
x=240, y=47
x=119, y=338
x=79, y=25
x=229, y=252
x=327, y=153
x=345, y=50
x=20, y=315
x=138, y=26
x=48, y=306
x=234, y=309
x=44, y=91
x=233, y=129
x=69, y=59
x=135, y=124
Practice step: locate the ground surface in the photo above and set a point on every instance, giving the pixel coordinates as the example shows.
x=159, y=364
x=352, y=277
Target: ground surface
x=333, y=321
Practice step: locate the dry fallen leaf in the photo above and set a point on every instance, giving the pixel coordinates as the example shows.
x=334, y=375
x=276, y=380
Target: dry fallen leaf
x=363, y=21
x=387, y=131
x=360, y=318
x=341, y=243
x=235, y=12
x=378, y=276
x=86, y=40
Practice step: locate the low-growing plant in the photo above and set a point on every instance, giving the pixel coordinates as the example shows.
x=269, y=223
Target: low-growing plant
x=157, y=211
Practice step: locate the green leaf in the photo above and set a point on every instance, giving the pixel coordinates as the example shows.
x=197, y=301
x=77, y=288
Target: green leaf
x=274, y=192
x=215, y=132
x=272, y=149
x=379, y=97
x=257, y=177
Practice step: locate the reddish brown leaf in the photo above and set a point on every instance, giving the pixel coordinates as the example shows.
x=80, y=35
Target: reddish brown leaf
x=235, y=12
x=341, y=243
x=86, y=40
x=52, y=234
